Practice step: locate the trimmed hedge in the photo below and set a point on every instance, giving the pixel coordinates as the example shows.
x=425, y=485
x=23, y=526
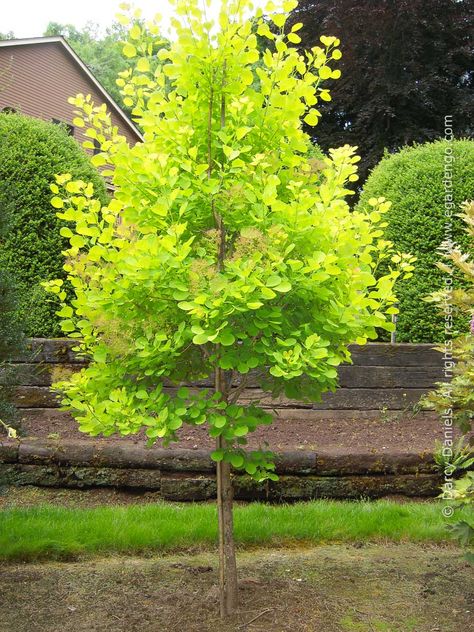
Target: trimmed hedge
x=31, y=153
x=11, y=335
x=413, y=180
x=11, y=342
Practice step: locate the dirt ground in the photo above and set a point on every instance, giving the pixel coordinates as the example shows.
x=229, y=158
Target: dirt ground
x=31, y=496
x=337, y=588
x=305, y=430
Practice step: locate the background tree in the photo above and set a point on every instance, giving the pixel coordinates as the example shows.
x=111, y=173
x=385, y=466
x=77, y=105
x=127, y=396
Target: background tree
x=405, y=65
x=224, y=254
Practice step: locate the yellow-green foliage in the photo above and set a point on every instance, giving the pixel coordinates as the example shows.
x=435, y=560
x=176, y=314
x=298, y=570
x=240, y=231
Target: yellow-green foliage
x=458, y=394
x=223, y=250
x=455, y=399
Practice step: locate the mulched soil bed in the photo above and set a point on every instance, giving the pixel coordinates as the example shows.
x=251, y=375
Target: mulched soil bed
x=308, y=430
x=336, y=588
x=31, y=496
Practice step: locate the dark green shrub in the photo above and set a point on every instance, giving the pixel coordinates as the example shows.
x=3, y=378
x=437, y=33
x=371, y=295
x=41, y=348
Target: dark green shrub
x=413, y=180
x=11, y=342
x=11, y=336
x=31, y=153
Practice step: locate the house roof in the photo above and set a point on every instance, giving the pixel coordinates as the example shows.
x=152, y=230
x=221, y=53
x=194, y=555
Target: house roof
x=62, y=42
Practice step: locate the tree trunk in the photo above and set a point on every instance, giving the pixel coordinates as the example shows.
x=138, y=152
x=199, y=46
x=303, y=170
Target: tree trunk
x=228, y=588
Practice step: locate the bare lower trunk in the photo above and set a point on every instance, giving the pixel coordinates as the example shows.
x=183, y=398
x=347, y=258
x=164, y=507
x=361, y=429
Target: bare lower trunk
x=228, y=588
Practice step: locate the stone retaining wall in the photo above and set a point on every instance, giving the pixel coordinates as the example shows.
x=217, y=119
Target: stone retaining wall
x=189, y=475
x=382, y=376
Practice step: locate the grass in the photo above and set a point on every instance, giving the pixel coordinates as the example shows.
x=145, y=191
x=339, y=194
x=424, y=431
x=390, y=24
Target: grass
x=51, y=532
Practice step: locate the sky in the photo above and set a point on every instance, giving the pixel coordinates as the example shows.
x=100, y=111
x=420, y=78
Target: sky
x=29, y=18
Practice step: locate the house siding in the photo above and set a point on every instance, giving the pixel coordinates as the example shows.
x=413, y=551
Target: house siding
x=38, y=79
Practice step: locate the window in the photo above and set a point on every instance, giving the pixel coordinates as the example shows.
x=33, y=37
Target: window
x=67, y=126
x=96, y=149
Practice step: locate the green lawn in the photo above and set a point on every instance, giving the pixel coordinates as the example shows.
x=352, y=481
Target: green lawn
x=51, y=532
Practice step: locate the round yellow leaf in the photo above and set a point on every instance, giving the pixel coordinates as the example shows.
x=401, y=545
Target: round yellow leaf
x=129, y=50
x=278, y=19
x=293, y=38
x=57, y=202
x=143, y=65
x=327, y=41
x=135, y=32
x=324, y=72
x=311, y=118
